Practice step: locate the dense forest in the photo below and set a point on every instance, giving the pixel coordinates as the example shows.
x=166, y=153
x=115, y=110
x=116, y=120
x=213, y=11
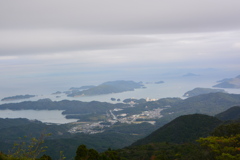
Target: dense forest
x=199, y=137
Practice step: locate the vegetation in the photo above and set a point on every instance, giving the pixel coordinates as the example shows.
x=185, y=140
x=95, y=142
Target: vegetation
x=83, y=153
x=222, y=143
x=182, y=130
x=69, y=107
x=128, y=100
x=211, y=104
x=198, y=91
x=218, y=146
x=232, y=113
x=214, y=147
x=108, y=87
x=175, y=140
x=27, y=149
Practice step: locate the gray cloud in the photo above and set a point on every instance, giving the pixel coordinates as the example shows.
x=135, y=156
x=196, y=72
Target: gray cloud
x=17, y=42
x=81, y=38
x=137, y=16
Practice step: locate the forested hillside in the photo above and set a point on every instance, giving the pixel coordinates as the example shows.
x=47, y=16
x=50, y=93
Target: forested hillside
x=131, y=122
x=232, y=113
x=192, y=137
x=183, y=129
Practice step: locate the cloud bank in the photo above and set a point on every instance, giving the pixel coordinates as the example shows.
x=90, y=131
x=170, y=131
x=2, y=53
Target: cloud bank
x=76, y=37
x=136, y=16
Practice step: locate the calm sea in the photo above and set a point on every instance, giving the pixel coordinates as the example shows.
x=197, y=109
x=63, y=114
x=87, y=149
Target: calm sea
x=171, y=88
x=46, y=116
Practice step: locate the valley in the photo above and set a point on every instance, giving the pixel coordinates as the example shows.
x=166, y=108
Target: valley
x=113, y=117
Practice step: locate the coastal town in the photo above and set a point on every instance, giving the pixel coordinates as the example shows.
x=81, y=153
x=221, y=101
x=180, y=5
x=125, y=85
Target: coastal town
x=113, y=116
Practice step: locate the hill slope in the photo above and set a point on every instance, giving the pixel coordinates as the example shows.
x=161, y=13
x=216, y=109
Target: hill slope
x=198, y=91
x=211, y=104
x=230, y=114
x=183, y=129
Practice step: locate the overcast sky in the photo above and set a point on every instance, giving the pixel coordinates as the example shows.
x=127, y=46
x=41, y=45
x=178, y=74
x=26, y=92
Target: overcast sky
x=52, y=39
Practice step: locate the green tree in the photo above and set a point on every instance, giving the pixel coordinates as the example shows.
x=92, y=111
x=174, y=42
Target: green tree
x=81, y=153
x=224, y=144
x=110, y=155
x=227, y=130
x=221, y=148
x=93, y=154
x=45, y=157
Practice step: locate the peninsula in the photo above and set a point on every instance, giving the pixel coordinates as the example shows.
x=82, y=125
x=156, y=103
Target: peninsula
x=198, y=91
x=229, y=83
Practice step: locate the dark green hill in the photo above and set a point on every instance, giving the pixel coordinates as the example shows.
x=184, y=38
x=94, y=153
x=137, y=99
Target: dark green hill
x=18, y=129
x=183, y=129
x=118, y=136
x=230, y=114
x=211, y=104
x=220, y=145
x=9, y=122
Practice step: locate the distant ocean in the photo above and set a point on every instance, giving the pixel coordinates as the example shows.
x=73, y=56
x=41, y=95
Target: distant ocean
x=170, y=88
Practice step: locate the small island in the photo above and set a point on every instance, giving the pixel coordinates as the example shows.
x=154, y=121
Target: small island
x=159, y=82
x=17, y=97
x=133, y=100
x=58, y=92
x=229, y=83
x=198, y=91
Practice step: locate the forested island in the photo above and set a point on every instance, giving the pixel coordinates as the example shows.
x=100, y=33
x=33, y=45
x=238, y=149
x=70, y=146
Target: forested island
x=18, y=97
x=105, y=88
